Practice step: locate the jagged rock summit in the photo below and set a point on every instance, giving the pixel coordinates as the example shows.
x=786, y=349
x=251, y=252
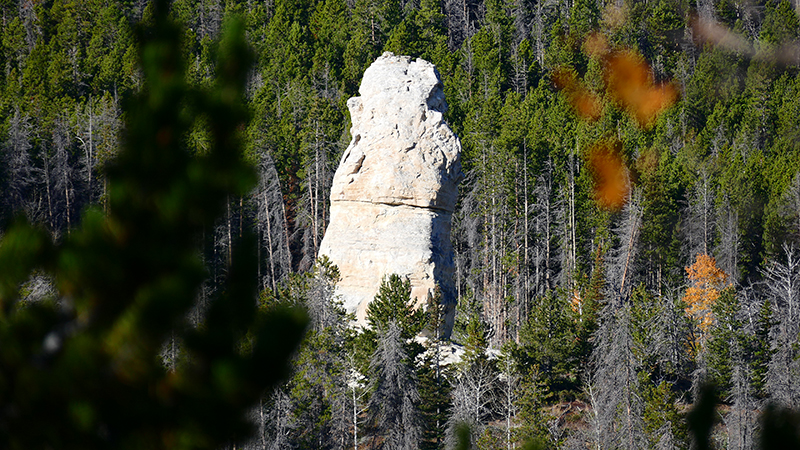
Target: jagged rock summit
x=395, y=190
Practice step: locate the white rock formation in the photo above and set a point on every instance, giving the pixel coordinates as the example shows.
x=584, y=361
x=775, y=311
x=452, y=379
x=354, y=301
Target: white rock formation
x=395, y=190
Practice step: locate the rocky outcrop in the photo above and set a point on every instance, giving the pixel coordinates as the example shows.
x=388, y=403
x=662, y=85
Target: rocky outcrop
x=395, y=190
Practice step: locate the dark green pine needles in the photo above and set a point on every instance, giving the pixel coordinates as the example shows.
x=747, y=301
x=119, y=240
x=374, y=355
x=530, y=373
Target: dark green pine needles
x=81, y=369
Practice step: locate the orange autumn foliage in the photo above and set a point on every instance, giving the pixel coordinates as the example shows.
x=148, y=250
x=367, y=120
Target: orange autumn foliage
x=596, y=45
x=586, y=104
x=630, y=82
x=708, y=281
x=611, y=178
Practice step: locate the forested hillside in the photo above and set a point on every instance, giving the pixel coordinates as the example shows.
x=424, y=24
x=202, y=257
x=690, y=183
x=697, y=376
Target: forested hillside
x=602, y=318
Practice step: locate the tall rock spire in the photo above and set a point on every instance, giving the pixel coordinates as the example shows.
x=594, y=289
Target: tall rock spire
x=395, y=190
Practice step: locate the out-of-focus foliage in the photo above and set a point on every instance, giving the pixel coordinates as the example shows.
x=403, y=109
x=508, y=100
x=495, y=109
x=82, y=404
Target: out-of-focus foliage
x=80, y=368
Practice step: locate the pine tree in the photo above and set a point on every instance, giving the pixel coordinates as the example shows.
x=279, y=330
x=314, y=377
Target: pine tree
x=791, y=209
x=531, y=420
x=547, y=341
x=318, y=175
x=434, y=391
x=663, y=423
x=474, y=379
x=127, y=279
x=471, y=330
x=318, y=369
x=727, y=339
x=434, y=387
x=393, y=303
x=317, y=396
x=761, y=348
x=728, y=250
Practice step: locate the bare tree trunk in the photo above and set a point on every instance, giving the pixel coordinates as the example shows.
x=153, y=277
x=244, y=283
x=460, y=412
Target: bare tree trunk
x=355, y=418
x=526, y=231
x=90, y=150
x=46, y=174
x=629, y=252
x=595, y=416
x=548, y=237
x=228, y=227
x=539, y=21
x=66, y=196
x=273, y=281
x=573, y=247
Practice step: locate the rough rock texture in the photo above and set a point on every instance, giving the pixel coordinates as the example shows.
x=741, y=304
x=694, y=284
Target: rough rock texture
x=395, y=190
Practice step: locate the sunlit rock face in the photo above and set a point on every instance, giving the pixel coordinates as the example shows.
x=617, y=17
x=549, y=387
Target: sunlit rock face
x=395, y=190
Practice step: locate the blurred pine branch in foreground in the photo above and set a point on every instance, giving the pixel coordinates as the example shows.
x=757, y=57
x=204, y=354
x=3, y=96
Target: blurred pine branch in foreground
x=81, y=369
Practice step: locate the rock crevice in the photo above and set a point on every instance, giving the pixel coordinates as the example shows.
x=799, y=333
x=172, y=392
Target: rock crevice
x=402, y=155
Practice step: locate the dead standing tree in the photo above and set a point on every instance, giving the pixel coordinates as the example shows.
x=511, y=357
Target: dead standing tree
x=783, y=373
x=270, y=222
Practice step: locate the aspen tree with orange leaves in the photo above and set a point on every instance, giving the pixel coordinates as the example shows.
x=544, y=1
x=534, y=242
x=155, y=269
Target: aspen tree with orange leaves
x=708, y=281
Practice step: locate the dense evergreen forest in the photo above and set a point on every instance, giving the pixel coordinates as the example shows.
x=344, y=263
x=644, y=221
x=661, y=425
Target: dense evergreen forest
x=584, y=324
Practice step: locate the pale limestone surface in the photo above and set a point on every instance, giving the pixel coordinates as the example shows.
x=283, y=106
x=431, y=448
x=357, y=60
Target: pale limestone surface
x=395, y=190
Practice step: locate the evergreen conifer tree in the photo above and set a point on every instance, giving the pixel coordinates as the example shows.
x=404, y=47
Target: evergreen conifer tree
x=81, y=370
